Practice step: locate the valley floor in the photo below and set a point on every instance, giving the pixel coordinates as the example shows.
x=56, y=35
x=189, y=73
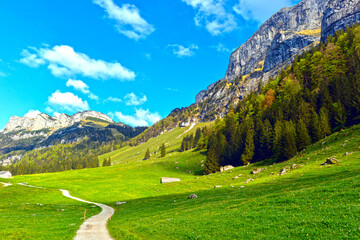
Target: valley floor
x=310, y=201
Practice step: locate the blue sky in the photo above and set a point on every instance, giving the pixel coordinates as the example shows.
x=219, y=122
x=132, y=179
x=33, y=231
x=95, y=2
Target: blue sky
x=135, y=60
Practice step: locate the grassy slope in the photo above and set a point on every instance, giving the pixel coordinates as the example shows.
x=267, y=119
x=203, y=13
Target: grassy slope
x=313, y=201
x=22, y=216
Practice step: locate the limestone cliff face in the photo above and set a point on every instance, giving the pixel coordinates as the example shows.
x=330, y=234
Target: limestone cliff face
x=44, y=121
x=338, y=15
x=300, y=21
x=278, y=41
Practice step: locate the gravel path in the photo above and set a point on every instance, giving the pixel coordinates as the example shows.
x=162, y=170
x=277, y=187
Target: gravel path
x=93, y=228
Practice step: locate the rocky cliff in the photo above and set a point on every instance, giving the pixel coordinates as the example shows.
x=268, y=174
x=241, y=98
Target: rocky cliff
x=288, y=33
x=338, y=15
x=44, y=121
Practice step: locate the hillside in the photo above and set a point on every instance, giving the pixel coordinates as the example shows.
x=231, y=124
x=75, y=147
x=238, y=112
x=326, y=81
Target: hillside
x=309, y=195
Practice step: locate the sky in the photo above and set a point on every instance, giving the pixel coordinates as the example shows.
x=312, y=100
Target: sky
x=134, y=60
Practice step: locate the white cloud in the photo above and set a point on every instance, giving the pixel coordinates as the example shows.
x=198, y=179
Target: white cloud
x=93, y=96
x=67, y=101
x=132, y=100
x=260, y=10
x=49, y=109
x=141, y=118
x=31, y=59
x=181, y=51
x=128, y=19
x=221, y=48
x=63, y=61
x=213, y=15
x=82, y=87
x=78, y=85
x=32, y=113
x=113, y=99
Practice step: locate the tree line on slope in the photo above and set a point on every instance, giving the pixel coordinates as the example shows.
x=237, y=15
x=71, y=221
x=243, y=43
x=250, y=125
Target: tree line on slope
x=62, y=157
x=317, y=95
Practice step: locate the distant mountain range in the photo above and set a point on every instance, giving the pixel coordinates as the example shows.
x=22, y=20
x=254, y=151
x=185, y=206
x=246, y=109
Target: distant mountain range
x=24, y=133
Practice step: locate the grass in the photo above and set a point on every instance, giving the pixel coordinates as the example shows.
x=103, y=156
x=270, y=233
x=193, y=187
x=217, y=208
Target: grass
x=30, y=213
x=311, y=201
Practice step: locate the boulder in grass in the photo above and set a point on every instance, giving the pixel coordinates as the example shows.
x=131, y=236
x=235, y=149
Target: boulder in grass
x=283, y=171
x=217, y=186
x=119, y=203
x=192, y=196
x=169, y=180
x=331, y=160
x=226, y=168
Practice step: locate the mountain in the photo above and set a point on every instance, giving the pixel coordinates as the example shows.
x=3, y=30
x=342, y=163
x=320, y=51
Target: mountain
x=44, y=121
x=24, y=133
x=283, y=37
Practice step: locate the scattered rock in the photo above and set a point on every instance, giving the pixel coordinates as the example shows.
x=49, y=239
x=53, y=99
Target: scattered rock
x=293, y=166
x=348, y=153
x=257, y=170
x=119, y=203
x=236, y=177
x=241, y=186
x=192, y=196
x=344, y=145
x=217, y=186
x=283, y=171
x=169, y=180
x=225, y=168
x=249, y=180
x=176, y=162
x=331, y=160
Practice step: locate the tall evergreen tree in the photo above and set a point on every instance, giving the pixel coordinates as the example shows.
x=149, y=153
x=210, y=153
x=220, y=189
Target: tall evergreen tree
x=163, y=150
x=303, y=137
x=147, y=154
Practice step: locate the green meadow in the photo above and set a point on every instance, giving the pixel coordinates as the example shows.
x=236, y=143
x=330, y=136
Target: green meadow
x=310, y=201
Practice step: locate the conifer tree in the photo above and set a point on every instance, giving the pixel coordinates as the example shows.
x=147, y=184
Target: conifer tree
x=289, y=140
x=303, y=137
x=147, y=154
x=248, y=154
x=324, y=122
x=197, y=137
x=105, y=163
x=316, y=131
x=339, y=115
x=163, y=150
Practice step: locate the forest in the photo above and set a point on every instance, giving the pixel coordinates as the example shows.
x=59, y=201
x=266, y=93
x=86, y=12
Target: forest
x=317, y=95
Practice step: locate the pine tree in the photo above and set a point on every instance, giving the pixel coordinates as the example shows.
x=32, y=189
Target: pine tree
x=339, y=115
x=316, y=130
x=163, y=150
x=147, y=154
x=265, y=139
x=248, y=154
x=324, y=122
x=105, y=162
x=197, y=137
x=303, y=137
x=109, y=161
x=289, y=140
x=277, y=144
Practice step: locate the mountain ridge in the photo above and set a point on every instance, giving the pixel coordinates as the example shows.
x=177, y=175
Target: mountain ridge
x=45, y=121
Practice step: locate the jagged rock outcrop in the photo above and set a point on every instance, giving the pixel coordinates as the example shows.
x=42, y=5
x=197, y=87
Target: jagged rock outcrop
x=44, y=121
x=338, y=15
x=278, y=41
